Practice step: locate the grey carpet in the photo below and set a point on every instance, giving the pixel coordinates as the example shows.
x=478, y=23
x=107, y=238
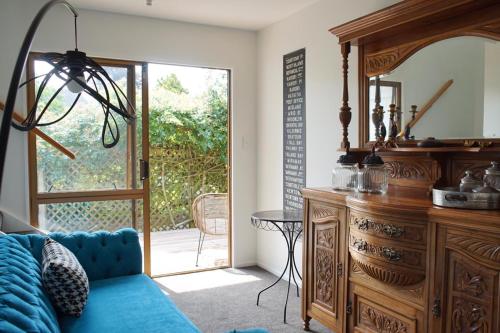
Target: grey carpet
x=226, y=307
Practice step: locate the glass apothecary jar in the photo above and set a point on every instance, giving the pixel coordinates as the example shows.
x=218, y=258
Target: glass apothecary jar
x=373, y=177
x=345, y=174
x=469, y=182
x=492, y=175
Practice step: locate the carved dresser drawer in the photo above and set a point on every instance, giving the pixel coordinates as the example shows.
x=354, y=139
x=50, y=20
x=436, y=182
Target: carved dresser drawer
x=391, y=251
x=375, y=313
x=407, y=232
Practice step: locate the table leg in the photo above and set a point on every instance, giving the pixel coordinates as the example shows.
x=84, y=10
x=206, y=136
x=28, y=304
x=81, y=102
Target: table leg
x=291, y=252
x=291, y=242
x=291, y=237
x=282, y=274
x=290, y=270
x=294, y=264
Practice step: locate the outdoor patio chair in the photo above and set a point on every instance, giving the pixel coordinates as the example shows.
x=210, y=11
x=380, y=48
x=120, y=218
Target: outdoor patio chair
x=210, y=214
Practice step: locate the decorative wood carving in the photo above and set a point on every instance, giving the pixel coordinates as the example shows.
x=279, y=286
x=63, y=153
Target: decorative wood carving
x=387, y=60
x=480, y=247
x=468, y=282
x=326, y=238
x=472, y=295
x=324, y=277
x=345, y=111
x=488, y=30
x=387, y=229
x=386, y=273
x=379, y=321
x=409, y=171
x=325, y=259
x=413, y=294
x=355, y=268
x=478, y=143
x=324, y=214
x=468, y=317
x=399, y=169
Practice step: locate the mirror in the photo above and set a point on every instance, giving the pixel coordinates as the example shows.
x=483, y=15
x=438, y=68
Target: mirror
x=455, y=85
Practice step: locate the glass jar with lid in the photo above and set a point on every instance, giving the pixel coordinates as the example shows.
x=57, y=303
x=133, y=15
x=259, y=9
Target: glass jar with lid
x=469, y=182
x=345, y=173
x=373, y=177
x=492, y=175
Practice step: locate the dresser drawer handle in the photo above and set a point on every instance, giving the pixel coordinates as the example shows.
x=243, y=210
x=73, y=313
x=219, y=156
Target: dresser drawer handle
x=360, y=245
x=364, y=224
x=389, y=230
x=392, y=231
x=391, y=254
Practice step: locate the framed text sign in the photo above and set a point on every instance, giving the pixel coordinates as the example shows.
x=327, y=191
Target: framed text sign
x=294, y=128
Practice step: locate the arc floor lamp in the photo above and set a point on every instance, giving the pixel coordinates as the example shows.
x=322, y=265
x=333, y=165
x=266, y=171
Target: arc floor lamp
x=79, y=73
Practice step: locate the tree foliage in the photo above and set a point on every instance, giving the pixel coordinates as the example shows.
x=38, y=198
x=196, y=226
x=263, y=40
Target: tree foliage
x=188, y=153
x=172, y=83
x=188, y=150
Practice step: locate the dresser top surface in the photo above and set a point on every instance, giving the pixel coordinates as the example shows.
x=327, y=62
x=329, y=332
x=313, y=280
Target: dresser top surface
x=395, y=195
x=402, y=199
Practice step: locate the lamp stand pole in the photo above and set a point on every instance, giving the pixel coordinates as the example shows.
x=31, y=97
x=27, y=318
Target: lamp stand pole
x=16, y=78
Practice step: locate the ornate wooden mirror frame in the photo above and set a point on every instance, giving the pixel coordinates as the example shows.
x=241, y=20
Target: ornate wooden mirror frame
x=386, y=38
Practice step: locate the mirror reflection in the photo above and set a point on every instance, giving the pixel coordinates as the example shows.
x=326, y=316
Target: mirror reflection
x=448, y=90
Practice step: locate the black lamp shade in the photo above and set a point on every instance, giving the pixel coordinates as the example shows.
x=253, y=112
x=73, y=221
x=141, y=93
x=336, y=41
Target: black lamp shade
x=77, y=71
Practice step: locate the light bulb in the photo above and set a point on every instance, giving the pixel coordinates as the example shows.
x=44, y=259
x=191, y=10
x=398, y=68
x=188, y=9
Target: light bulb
x=74, y=86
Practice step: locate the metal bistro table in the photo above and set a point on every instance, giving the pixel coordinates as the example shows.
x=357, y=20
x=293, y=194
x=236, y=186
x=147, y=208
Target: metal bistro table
x=289, y=223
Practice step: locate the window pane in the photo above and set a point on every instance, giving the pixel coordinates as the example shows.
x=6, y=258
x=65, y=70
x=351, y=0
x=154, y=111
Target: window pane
x=91, y=216
x=95, y=167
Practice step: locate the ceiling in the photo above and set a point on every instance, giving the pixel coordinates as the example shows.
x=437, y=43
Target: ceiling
x=240, y=14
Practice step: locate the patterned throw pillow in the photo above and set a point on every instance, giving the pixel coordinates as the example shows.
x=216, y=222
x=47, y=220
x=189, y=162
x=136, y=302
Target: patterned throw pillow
x=64, y=279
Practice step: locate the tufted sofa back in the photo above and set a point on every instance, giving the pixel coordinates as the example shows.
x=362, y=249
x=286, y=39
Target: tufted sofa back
x=102, y=254
x=24, y=306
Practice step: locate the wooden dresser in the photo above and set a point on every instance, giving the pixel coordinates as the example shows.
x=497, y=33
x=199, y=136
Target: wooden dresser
x=395, y=263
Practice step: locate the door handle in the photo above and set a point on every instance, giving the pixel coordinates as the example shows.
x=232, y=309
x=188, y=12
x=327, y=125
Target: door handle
x=144, y=169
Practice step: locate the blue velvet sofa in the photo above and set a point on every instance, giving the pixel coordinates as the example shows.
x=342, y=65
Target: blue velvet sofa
x=121, y=298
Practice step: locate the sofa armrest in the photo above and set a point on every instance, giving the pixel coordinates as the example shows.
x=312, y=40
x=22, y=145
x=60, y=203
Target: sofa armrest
x=104, y=254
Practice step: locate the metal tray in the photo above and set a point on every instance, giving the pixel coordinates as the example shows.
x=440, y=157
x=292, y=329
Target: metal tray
x=452, y=197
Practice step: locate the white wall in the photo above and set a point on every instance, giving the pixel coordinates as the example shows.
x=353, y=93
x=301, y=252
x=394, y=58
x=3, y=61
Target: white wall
x=307, y=28
x=492, y=89
x=136, y=38
x=461, y=106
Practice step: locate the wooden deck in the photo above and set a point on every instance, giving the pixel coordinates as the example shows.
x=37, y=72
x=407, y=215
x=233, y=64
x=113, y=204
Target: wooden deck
x=175, y=251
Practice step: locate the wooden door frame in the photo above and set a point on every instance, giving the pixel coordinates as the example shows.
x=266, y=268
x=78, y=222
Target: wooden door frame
x=132, y=193
x=126, y=194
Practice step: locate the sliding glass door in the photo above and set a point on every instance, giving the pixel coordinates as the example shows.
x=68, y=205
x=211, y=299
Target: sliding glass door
x=180, y=143
x=100, y=189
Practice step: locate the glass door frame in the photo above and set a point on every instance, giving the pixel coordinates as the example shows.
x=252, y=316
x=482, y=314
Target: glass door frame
x=131, y=193
x=37, y=199
x=229, y=173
